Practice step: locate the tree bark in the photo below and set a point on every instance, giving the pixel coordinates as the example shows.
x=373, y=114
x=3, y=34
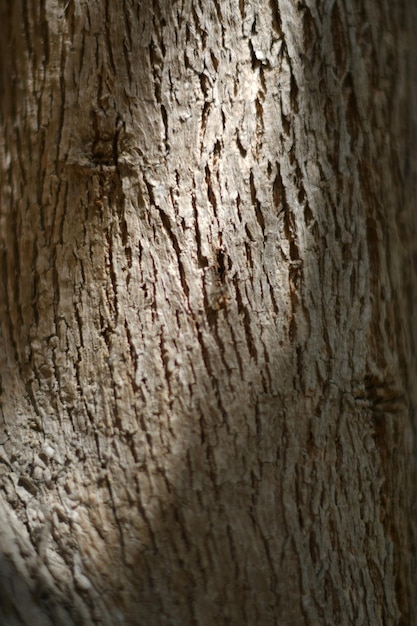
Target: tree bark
x=207, y=265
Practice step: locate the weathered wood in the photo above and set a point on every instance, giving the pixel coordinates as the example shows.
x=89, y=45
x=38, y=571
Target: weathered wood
x=208, y=351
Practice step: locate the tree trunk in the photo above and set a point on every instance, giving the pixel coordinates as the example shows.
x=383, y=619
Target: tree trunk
x=208, y=365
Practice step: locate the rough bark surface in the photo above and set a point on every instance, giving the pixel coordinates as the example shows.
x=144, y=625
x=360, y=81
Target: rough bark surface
x=207, y=295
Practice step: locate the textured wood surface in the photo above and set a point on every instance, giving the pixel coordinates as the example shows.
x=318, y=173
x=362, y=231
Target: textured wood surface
x=208, y=356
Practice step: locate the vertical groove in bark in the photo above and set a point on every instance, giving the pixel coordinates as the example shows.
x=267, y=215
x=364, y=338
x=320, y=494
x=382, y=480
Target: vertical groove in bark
x=207, y=368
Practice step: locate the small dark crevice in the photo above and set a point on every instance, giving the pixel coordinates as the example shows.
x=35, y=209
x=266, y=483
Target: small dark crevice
x=292, y=327
x=301, y=191
x=260, y=217
x=258, y=422
x=352, y=112
x=221, y=269
x=223, y=119
x=300, y=366
x=243, y=310
x=202, y=259
x=276, y=17
x=278, y=191
x=79, y=320
x=125, y=235
x=242, y=150
x=165, y=361
x=150, y=192
x=205, y=85
x=112, y=273
x=294, y=94
x=106, y=332
x=256, y=204
x=249, y=233
x=210, y=192
x=214, y=60
x=286, y=123
x=167, y=225
x=165, y=122
x=238, y=205
x=289, y=232
x=81, y=57
x=256, y=64
x=133, y=354
x=65, y=186
x=204, y=117
x=242, y=9
x=216, y=152
x=308, y=214
x=260, y=109
x=249, y=256
x=353, y=284
x=187, y=33
x=217, y=5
